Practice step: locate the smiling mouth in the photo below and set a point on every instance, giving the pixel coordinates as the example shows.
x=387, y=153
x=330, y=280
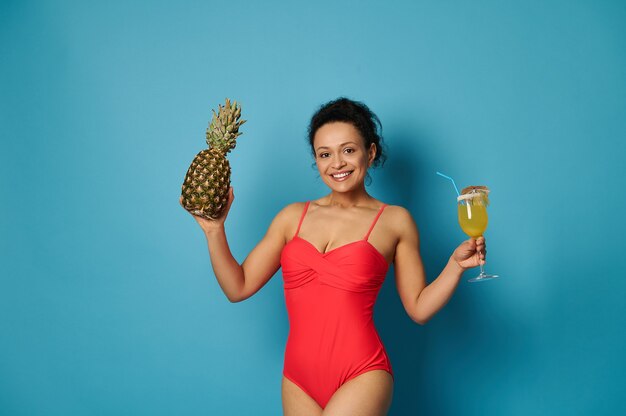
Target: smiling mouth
x=341, y=175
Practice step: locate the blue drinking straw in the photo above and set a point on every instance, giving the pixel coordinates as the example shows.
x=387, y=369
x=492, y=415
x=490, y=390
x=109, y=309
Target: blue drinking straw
x=453, y=183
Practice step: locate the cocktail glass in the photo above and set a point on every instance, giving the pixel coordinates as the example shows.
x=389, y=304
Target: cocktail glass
x=472, y=207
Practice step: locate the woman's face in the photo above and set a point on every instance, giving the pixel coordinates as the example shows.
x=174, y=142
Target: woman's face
x=341, y=156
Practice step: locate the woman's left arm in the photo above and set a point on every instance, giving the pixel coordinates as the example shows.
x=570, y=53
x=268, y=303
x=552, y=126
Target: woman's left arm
x=422, y=301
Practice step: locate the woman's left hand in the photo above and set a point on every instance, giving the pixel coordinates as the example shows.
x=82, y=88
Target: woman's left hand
x=471, y=253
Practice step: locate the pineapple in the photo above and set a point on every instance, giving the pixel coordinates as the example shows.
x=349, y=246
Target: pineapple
x=205, y=189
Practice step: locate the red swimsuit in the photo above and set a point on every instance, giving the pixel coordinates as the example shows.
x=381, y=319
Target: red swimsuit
x=330, y=299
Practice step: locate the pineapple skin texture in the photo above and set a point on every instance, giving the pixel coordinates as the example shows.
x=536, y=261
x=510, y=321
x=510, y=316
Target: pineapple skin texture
x=205, y=189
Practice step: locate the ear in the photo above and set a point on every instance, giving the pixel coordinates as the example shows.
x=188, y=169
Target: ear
x=371, y=154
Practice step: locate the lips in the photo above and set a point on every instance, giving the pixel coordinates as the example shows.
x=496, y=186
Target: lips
x=340, y=176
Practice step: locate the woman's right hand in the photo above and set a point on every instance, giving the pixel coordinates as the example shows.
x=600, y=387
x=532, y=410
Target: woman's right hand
x=216, y=224
x=471, y=253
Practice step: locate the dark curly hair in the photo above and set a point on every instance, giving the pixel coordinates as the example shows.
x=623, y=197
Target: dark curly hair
x=355, y=113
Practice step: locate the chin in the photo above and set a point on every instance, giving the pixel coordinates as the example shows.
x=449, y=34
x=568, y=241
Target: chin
x=345, y=186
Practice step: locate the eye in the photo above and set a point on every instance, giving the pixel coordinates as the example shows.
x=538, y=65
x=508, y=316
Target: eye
x=349, y=150
x=323, y=155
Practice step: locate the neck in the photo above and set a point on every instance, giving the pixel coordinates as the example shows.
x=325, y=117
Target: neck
x=357, y=197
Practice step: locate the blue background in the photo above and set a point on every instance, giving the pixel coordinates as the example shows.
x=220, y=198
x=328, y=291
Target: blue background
x=108, y=303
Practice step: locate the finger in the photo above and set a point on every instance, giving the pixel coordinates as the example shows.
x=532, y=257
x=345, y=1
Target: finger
x=231, y=196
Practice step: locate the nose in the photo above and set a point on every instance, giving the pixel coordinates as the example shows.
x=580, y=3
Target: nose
x=338, y=161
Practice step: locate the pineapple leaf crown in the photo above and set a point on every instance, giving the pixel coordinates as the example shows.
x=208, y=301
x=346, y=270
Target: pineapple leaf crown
x=224, y=127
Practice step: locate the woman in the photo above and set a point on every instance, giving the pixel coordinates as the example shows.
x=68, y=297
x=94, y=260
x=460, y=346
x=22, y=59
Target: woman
x=335, y=252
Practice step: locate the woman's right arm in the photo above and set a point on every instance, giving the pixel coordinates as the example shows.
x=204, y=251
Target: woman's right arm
x=239, y=282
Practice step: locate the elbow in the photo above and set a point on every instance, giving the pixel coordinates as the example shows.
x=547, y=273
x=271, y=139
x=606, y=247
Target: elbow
x=238, y=297
x=235, y=298
x=419, y=314
x=420, y=320
x=236, y=294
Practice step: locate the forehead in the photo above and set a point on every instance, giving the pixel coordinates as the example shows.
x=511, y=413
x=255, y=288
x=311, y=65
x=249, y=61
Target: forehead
x=335, y=133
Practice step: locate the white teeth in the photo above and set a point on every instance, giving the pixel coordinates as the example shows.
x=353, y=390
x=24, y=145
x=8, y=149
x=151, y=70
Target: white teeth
x=341, y=175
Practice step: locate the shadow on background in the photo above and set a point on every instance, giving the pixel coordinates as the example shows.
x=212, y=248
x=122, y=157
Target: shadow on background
x=407, y=343
x=430, y=362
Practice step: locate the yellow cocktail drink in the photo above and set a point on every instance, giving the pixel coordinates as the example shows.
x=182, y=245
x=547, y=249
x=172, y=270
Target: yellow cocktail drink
x=475, y=225
x=472, y=208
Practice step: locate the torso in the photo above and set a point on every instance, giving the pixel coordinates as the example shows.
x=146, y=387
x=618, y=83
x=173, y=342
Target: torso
x=334, y=265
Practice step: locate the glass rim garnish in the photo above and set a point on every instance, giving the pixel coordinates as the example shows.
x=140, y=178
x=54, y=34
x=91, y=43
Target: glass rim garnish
x=473, y=194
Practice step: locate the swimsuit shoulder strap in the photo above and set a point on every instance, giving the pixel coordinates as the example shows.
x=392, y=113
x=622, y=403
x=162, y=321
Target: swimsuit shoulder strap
x=306, y=206
x=380, y=211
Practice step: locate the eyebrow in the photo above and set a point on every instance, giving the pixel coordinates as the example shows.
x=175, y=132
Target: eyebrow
x=342, y=144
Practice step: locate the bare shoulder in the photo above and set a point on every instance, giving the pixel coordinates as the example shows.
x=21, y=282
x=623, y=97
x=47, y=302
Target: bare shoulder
x=400, y=219
x=398, y=215
x=290, y=211
x=286, y=220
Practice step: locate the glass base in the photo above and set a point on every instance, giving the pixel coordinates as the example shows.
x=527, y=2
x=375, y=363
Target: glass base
x=482, y=277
